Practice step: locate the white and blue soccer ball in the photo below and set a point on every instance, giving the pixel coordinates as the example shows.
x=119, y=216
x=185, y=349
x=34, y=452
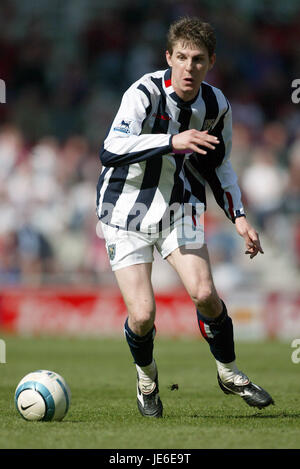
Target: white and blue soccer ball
x=42, y=395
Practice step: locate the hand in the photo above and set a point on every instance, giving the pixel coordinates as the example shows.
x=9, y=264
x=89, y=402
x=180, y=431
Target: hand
x=250, y=236
x=190, y=140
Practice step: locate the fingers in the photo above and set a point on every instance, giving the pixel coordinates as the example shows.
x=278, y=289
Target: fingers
x=253, y=252
x=194, y=140
x=196, y=149
x=206, y=140
x=253, y=245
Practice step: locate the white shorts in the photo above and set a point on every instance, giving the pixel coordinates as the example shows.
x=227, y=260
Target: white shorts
x=127, y=248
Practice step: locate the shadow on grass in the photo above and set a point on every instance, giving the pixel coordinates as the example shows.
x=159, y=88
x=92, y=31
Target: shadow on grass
x=277, y=415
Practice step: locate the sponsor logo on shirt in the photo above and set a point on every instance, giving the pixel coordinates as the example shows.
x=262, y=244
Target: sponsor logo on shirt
x=163, y=117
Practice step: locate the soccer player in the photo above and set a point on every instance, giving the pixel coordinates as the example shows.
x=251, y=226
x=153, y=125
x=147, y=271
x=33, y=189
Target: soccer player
x=171, y=135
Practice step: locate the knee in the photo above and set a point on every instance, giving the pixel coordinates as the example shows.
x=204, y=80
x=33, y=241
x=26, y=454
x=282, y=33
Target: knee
x=207, y=300
x=142, y=322
x=202, y=295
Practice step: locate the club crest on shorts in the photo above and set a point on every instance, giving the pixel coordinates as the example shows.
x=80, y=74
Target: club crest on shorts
x=111, y=251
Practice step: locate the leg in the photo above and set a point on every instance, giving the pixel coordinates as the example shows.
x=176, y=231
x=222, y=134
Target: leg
x=135, y=285
x=136, y=288
x=194, y=269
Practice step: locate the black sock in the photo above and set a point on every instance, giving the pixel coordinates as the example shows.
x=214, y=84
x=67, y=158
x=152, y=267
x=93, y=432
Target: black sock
x=218, y=332
x=141, y=347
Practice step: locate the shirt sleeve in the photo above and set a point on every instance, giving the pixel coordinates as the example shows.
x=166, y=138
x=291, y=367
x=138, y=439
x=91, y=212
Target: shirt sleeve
x=125, y=142
x=216, y=168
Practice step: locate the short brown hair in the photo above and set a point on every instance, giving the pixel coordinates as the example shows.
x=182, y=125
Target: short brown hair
x=192, y=31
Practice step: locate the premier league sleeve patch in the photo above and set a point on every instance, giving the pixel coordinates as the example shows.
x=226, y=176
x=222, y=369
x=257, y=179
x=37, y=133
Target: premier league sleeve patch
x=123, y=127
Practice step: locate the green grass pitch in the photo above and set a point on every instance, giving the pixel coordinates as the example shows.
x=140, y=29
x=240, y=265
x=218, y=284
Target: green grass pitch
x=197, y=415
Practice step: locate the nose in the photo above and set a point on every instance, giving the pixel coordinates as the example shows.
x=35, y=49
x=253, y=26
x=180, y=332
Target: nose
x=189, y=65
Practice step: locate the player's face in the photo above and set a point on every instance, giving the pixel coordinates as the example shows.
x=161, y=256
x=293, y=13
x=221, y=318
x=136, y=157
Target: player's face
x=190, y=65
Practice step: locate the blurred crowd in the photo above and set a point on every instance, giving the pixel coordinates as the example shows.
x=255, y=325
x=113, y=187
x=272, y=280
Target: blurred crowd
x=66, y=65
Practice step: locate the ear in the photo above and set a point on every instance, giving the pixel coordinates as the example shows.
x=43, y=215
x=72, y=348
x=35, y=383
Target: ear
x=169, y=58
x=212, y=61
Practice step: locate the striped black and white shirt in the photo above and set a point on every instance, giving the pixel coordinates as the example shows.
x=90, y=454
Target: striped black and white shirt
x=141, y=176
